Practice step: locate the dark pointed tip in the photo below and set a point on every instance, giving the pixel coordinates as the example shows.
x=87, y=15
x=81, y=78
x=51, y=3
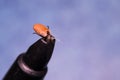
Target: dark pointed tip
x=39, y=54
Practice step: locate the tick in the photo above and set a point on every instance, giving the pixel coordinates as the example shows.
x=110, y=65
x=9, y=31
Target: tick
x=41, y=30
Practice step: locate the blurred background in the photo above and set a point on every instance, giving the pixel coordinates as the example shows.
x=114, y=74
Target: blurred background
x=87, y=33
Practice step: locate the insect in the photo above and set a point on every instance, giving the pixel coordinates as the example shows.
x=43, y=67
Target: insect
x=41, y=30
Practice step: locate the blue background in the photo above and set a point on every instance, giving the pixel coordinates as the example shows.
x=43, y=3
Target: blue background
x=87, y=33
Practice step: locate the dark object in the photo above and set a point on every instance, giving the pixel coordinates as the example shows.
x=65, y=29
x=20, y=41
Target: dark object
x=32, y=65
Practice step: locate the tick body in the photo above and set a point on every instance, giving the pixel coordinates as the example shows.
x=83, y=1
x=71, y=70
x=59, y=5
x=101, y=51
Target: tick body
x=41, y=30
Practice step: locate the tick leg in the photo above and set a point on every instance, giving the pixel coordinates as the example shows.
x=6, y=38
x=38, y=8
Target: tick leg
x=48, y=27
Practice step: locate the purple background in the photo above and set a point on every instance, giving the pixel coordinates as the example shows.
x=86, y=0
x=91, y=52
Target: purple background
x=87, y=33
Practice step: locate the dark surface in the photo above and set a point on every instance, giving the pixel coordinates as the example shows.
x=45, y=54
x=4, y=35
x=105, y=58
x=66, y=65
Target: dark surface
x=35, y=59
